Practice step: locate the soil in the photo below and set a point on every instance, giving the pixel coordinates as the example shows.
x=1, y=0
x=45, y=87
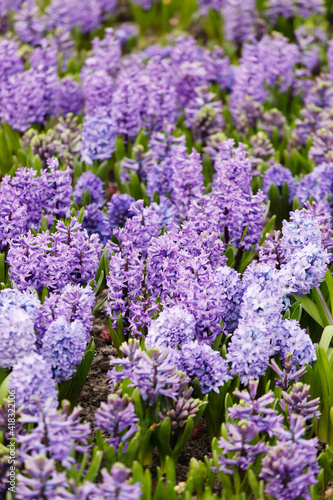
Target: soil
x=96, y=390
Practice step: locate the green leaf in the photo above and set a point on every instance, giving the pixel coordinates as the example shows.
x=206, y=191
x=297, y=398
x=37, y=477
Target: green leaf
x=322, y=305
x=253, y=482
x=297, y=312
x=94, y=465
x=4, y=389
x=311, y=308
x=326, y=338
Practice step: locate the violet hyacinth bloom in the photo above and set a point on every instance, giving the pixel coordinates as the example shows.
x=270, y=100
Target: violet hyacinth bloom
x=239, y=20
x=64, y=345
x=97, y=91
x=160, y=102
x=305, y=257
x=70, y=96
x=10, y=61
x=13, y=217
x=58, y=189
x=56, y=433
x=278, y=175
x=106, y=53
x=127, y=103
x=29, y=25
x=296, y=341
x=98, y=138
x=201, y=361
x=119, y=209
x=117, y=483
x=68, y=255
x=316, y=184
x=89, y=182
x=117, y=417
x=23, y=100
x=153, y=374
x=239, y=440
x=32, y=381
x=40, y=477
x=187, y=181
x=174, y=327
x=206, y=5
x=290, y=466
x=75, y=302
x=17, y=335
x=95, y=221
x=71, y=14
x=297, y=402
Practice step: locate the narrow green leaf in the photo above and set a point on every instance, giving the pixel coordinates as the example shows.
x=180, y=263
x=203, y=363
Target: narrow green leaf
x=326, y=338
x=94, y=465
x=311, y=308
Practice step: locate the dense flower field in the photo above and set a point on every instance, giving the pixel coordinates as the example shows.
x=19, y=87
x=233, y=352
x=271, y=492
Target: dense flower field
x=166, y=165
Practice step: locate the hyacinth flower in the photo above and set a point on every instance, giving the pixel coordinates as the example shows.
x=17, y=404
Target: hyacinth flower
x=162, y=401
x=63, y=430
x=89, y=183
x=117, y=418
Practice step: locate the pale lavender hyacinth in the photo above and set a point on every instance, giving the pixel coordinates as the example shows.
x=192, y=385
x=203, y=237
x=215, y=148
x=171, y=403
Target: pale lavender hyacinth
x=63, y=347
x=32, y=380
x=174, y=327
x=98, y=138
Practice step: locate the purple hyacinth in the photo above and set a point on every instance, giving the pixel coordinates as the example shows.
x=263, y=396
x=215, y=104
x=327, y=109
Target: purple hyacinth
x=296, y=401
x=119, y=209
x=117, y=417
x=10, y=61
x=145, y=224
x=40, y=477
x=187, y=181
x=18, y=338
x=116, y=485
x=56, y=433
x=14, y=217
x=32, y=380
x=23, y=100
x=29, y=24
x=70, y=96
x=201, y=361
x=160, y=103
x=97, y=91
x=239, y=21
x=75, y=302
x=239, y=442
x=73, y=14
x=278, y=175
x=293, y=339
x=106, y=53
x=95, y=221
x=98, y=138
x=127, y=103
x=174, y=327
x=316, y=184
x=66, y=256
x=64, y=345
x=89, y=182
x=290, y=466
x=58, y=189
x=155, y=374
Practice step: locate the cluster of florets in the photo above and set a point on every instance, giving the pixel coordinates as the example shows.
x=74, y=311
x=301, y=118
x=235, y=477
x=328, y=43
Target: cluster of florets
x=54, y=260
